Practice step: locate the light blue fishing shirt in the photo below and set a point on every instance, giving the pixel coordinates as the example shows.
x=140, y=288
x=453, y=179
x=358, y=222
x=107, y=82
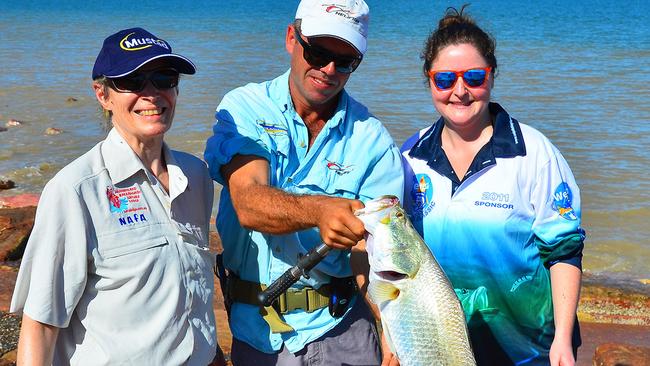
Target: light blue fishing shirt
x=353, y=157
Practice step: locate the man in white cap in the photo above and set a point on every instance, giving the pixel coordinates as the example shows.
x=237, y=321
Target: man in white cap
x=297, y=156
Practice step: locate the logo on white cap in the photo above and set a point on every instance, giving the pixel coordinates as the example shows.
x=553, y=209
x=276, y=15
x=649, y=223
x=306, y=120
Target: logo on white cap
x=340, y=11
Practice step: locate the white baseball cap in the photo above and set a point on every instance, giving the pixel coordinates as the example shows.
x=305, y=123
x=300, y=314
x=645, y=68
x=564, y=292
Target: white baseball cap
x=343, y=19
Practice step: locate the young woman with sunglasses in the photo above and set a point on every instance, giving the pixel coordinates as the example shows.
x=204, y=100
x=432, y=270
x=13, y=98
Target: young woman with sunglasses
x=117, y=269
x=498, y=206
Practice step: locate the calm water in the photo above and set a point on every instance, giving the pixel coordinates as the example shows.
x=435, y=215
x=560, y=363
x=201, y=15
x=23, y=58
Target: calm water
x=578, y=72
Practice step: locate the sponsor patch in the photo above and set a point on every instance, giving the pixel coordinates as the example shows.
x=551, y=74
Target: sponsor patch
x=126, y=203
x=495, y=200
x=421, y=196
x=562, y=200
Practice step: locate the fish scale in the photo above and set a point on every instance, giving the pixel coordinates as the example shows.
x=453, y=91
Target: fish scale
x=424, y=321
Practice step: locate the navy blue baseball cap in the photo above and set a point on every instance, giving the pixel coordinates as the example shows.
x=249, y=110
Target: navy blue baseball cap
x=128, y=49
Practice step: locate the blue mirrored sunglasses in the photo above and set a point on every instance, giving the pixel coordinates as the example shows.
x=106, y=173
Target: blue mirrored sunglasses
x=446, y=79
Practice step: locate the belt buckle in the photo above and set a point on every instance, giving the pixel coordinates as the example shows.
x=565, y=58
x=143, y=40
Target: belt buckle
x=280, y=304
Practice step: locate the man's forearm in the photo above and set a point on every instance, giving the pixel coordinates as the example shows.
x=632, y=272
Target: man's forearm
x=271, y=210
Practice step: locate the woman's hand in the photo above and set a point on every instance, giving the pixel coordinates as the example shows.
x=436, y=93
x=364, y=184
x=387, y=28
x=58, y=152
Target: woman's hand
x=561, y=353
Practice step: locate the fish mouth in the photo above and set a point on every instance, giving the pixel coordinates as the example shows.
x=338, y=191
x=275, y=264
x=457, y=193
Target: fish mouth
x=391, y=276
x=378, y=204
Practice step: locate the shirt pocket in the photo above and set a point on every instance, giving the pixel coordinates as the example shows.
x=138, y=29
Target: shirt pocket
x=280, y=147
x=123, y=244
x=331, y=183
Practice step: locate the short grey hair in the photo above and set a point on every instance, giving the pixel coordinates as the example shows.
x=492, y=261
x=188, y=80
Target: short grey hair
x=106, y=114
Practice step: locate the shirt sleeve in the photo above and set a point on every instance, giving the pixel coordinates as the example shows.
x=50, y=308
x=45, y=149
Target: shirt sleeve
x=385, y=177
x=53, y=270
x=556, y=199
x=235, y=132
x=208, y=201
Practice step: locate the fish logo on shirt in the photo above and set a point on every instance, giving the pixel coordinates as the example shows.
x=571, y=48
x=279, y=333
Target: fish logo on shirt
x=339, y=168
x=117, y=204
x=270, y=128
x=421, y=196
x=562, y=200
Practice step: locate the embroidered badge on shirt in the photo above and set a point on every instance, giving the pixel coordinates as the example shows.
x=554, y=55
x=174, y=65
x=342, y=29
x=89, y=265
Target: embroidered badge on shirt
x=562, y=199
x=117, y=204
x=270, y=128
x=421, y=196
x=127, y=203
x=339, y=168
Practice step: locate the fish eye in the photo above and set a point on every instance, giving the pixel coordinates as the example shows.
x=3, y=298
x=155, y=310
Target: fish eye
x=399, y=214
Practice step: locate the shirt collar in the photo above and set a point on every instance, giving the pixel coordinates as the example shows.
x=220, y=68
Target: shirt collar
x=122, y=163
x=120, y=160
x=507, y=140
x=178, y=181
x=279, y=91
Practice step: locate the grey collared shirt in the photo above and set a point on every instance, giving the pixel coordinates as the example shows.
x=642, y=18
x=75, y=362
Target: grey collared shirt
x=120, y=265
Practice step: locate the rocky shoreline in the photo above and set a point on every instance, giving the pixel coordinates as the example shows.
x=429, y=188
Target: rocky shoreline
x=614, y=312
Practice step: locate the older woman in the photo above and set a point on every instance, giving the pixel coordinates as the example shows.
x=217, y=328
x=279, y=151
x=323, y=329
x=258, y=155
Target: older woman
x=117, y=269
x=498, y=205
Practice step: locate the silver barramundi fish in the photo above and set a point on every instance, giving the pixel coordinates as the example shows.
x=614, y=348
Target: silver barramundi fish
x=421, y=316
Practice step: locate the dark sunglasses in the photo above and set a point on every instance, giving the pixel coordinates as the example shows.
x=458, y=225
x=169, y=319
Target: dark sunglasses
x=446, y=79
x=318, y=57
x=133, y=83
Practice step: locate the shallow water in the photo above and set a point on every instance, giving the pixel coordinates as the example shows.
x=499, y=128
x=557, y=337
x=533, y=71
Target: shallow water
x=577, y=72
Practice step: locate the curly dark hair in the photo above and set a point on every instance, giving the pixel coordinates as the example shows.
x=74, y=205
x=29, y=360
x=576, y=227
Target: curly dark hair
x=456, y=27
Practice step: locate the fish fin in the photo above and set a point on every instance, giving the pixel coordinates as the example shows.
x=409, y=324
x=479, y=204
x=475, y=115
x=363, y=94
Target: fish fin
x=381, y=291
x=389, y=340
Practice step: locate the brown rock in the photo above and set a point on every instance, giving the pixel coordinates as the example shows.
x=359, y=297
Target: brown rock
x=53, y=131
x=8, y=275
x=605, y=304
x=13, y=122
x=9, y=359
x=616, y=354
x=15, y=226
x=21, y=200
x=7, y=184
x=71, y=99
x=3, y=129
